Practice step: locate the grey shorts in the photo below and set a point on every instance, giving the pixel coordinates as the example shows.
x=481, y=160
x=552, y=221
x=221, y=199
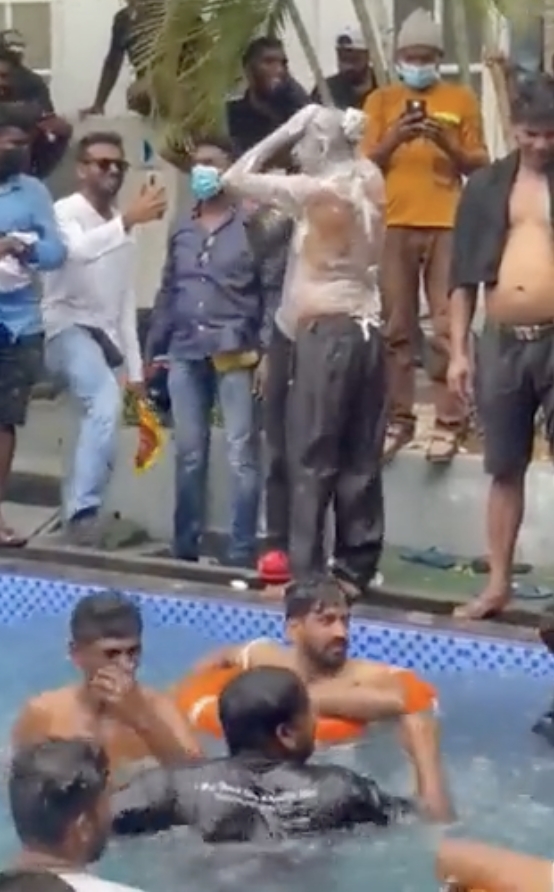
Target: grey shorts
x=515, y=378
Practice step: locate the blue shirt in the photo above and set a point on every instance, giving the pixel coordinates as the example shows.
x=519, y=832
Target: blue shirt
x=26, y=206
x=219, y=289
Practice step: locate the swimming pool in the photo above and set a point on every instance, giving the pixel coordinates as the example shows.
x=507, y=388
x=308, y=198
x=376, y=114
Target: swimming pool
x=491, y=691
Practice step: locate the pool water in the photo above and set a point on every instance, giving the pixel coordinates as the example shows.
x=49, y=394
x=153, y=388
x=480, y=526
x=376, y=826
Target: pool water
x=501, y=776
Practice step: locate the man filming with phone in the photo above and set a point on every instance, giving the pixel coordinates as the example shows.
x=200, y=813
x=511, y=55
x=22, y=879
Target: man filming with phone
x=426, y=136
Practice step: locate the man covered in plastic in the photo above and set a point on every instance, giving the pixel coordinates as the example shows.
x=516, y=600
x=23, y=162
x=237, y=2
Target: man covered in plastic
x=263, y=788
x=336, y=403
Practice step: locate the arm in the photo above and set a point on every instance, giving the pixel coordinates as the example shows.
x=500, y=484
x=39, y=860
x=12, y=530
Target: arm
x=375, y=144
x=130, y=339
x=471, y=152
x=368, y=804
x=111, y=67
x=476, y=866
x=49, y=251
x=420, y=737
x=272, y=250
x=356, y=702
x=462, y=282
x=87, y=245
x=167, y=734
x=146, y=804
x=288, y=193
x=161, y=321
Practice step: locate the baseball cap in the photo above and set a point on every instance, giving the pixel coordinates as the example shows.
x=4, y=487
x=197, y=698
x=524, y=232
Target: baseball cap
x=351, y=38
x=12, y=39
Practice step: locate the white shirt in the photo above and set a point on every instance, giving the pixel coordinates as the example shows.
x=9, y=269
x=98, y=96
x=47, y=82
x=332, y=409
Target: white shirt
x=86, y=882
x=94, y=286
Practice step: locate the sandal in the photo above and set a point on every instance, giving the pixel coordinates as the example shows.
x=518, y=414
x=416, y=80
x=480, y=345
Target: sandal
x=397, y=436
x=442, y=447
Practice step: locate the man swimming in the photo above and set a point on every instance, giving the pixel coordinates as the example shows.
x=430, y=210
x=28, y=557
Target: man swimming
x=317, y=617
x=263, y=788
x=109, y=706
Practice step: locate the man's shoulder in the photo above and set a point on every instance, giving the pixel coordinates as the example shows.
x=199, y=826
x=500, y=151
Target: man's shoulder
x=70, y=203
x=490, y=173
x=53, y=700
x=33, y=186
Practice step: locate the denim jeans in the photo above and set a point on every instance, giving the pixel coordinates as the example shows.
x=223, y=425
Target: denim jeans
x=75, y=359
x=193, y=386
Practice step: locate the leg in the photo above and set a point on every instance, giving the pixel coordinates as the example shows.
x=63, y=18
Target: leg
x=241, y=430
x=317, y=407
x=509, y=403
x=191, y=387
x=359, y=498
x=277, y=496
x=20, y=365
x=77, y=360
x=399, y=282
x=451, y=418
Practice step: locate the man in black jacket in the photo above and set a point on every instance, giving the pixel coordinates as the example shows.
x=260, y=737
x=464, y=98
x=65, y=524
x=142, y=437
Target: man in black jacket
x=263, y=788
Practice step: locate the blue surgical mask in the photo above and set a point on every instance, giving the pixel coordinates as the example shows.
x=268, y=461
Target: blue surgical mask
x=205, y=181
x=418, y=77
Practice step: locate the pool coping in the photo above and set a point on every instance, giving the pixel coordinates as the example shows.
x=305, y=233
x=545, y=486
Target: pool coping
x=213, y=583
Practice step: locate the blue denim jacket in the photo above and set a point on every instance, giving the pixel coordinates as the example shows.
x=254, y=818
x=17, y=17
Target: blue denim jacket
x=219, y=291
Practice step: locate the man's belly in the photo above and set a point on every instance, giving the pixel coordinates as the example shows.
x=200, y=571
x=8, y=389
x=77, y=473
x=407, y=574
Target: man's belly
x=524, y=294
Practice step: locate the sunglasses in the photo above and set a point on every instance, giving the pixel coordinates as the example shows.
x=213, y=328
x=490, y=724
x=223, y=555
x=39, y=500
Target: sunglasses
x=108, y=164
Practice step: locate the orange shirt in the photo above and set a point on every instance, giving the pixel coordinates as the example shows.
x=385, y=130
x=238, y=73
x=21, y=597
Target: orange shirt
x=423, y=186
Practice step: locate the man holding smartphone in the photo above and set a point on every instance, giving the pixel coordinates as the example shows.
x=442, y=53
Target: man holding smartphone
x=426, y=136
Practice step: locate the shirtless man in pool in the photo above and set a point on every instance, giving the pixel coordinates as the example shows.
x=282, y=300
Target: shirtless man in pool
x=317, y=618
x=130, y=721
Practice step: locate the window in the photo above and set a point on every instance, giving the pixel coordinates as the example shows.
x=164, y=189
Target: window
x=33, y=19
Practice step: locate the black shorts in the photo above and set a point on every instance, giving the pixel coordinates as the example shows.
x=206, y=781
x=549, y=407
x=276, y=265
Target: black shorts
x=515, y=379
x=20, y=367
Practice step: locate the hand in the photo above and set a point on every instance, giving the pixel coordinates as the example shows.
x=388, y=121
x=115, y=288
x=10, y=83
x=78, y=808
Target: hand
x=12, y=246
x=259, y=380
x=409, y=126
x=137, y=389
x=150, y=204
x=437, y=133
x=91, y=110
x=459, y=375
x=151, y=368
x=117, y=690
x=296, y=126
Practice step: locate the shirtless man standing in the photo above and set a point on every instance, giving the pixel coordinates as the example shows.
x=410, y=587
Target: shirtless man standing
x=504, y=239
x=131, y=722
x=336, y=411
x=317, y=619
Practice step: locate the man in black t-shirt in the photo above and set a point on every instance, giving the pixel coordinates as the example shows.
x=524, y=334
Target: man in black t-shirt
x=271, y=98
x=27, y=85
x=355, y=79
x=121, y=45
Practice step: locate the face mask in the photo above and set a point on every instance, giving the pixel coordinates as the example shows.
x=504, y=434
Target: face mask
x=205, y=182
x=12, y=162
x=418, y=77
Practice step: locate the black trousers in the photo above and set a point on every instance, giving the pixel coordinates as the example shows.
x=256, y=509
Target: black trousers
x=336, y=421
x=275, y=407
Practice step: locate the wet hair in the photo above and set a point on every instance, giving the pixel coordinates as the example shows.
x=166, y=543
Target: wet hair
x=32, y=881
x=257, y=47
x=98, y=138
x=51, y=784
x=107, y=614
x=533, y=102
x=218, y=141
x=313, y=595
x=254, y=704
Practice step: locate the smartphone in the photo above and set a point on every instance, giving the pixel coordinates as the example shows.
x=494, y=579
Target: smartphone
x=416, y=106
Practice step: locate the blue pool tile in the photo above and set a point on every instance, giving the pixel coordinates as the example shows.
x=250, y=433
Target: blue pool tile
x=227, y=622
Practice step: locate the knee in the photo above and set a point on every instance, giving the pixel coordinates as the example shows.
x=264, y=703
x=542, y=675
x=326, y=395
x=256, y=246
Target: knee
x=243, y=451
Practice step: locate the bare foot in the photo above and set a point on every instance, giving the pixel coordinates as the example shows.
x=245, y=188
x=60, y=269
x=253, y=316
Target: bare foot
x=487, y=606
x=9, y=538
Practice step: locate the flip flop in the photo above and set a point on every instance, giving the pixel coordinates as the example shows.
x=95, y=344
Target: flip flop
x=429, y=557
x=530, y=592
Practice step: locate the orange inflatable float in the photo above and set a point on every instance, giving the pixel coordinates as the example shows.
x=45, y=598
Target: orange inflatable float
x=196, y=696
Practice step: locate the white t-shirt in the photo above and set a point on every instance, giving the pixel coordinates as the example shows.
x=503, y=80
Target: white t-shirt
x=87, y=882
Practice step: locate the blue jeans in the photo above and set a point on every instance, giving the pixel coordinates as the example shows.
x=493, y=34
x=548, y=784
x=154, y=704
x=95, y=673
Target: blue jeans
x=75, y=359
x=193, y=385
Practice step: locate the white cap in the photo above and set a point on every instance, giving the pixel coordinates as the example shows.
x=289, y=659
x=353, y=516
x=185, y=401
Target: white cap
x=351, y=38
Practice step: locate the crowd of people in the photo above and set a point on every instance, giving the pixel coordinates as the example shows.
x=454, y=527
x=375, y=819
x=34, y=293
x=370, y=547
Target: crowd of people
x=290, y=295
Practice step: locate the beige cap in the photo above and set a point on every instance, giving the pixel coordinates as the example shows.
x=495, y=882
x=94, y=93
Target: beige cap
x=420, y=29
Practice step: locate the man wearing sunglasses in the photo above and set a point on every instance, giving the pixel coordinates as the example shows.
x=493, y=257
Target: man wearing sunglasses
x=108, y=705
x=89, y=312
